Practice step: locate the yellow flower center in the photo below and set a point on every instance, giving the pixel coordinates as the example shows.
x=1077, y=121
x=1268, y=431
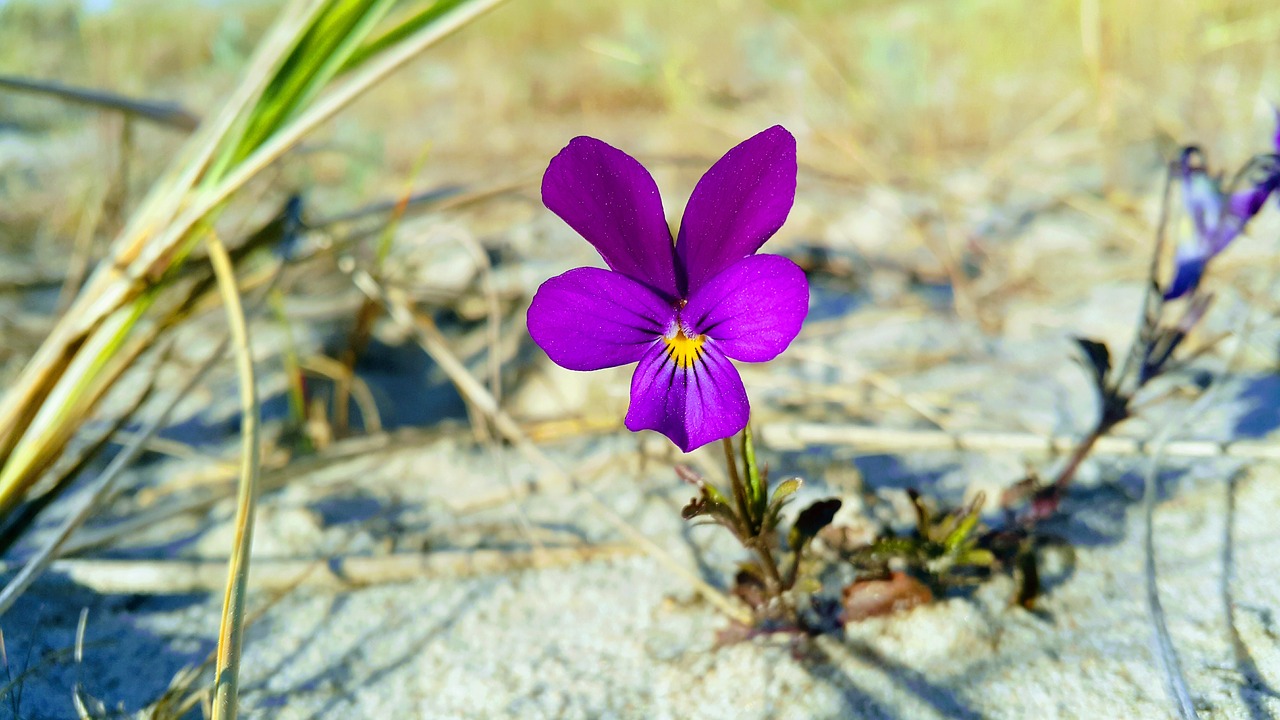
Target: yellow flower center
x=684, y=350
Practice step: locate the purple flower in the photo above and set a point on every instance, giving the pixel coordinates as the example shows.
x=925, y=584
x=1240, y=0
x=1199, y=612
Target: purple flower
x=1217, y=216
x=682, y=310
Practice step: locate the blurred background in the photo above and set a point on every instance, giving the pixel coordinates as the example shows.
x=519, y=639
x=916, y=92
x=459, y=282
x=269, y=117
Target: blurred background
x=978, y=180
x=954, y=117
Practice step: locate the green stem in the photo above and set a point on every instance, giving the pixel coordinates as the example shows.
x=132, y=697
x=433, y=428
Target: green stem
x=773, y=577
x=752, y=535
x=756, y=491
x=735, y=483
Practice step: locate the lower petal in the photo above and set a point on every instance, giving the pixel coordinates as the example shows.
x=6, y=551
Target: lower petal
x=692, y=405
x=1186, y=276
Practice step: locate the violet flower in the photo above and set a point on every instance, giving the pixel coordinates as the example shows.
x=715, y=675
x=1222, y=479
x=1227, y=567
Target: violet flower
x=682, y=310
x=1217, y=216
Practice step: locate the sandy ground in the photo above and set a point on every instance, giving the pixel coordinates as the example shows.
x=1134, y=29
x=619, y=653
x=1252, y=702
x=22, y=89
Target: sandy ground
x=621, y=636
x=624, y=638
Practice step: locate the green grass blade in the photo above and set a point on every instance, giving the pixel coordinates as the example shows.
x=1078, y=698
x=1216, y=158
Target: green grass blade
x=335, y=34
x=401, y=30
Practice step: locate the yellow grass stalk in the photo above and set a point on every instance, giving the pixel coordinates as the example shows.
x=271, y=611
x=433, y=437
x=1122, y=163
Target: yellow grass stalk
x=231, y=632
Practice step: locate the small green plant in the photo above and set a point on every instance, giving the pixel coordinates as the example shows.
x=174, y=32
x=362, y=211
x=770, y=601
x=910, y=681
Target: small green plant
x=754, y=516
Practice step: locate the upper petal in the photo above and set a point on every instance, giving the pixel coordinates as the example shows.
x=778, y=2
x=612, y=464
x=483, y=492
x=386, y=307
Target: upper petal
x=1244, y=204
x=1275, y=140
x=753, y=309
x=737, y=205
x=1201, y=194
x=692, y=405
x=589, y=318
x=613, y=202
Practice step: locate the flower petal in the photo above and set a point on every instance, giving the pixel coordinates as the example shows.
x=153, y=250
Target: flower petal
x=590, y=318
x=1201, y=194
x=1188, y=269
x=691, y=405
x=737, y=205
x=613, y=202
x=753, y=309
x=1244, y=204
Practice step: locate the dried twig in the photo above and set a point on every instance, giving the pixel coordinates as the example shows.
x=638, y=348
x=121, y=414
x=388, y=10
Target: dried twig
x=798, y=435
x=162, y=113
x=176, y=577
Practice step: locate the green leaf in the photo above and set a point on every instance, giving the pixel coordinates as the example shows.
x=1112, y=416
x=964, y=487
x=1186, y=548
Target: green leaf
x=757, y=488
x=785, y=489
x=924, y=520
x=400, y=30
x=781, y=496
x=710, y=503
x=977, y=558
x=967, y=522
x=319, y=55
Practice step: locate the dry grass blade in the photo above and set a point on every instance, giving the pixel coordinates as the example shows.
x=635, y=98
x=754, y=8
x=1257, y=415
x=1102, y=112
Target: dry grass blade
x=177, y=577
x=231, y=633
x=102, y=488
x=1166, y=653
x=82, y=356
x=325, y=107
x=796, y=435
x=69, y=373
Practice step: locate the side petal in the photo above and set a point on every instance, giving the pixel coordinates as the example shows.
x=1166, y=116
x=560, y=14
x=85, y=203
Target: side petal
x=1243, y=205
x=737, y=205
x=753, y=309
x=589, y=318
x=613, y=202
x=691, y=405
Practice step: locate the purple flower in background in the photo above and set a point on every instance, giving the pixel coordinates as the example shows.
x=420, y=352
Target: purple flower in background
x=1217, y=216
x=682, y=310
